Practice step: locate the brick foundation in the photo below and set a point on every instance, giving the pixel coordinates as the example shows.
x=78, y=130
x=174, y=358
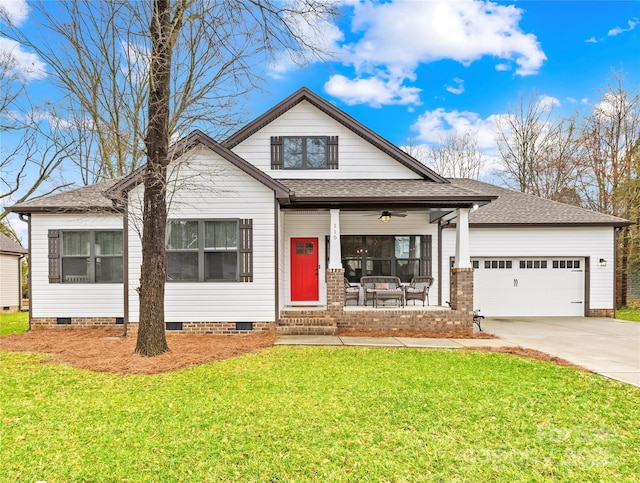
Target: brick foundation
x=610, y=313
x=10, y=309
x=216, y=328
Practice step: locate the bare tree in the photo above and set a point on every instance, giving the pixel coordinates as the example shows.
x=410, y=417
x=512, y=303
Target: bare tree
x=457, y=156
x=537, y=152
x=610, y=159
x=267, y=25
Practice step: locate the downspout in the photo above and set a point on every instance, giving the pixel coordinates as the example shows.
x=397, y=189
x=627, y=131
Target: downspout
x=276, y=237
x=27, y=219
x=440, y=262
x=125, y=265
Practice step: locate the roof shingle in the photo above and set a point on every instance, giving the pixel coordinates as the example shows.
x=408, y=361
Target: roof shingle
x=516, y=208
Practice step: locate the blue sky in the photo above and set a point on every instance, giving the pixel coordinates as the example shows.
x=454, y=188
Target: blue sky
x=421, y=69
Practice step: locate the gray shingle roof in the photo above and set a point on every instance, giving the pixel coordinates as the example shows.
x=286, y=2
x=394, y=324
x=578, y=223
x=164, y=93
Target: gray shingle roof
x=516, y=208
x=379, y=190
x=87, y=198
x=7, y=245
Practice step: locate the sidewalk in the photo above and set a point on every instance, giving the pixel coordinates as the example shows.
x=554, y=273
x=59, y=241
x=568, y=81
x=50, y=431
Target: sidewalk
x=400, y=342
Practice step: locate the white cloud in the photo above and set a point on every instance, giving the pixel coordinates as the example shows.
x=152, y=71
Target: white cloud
x=375, y=91
x=16, y=11
x=394, y=38
x=619, y=30
x=457, y=89
x=546, y=103
x=21, y=63
x=434, y=126
x=591, y=40
x=407, y=33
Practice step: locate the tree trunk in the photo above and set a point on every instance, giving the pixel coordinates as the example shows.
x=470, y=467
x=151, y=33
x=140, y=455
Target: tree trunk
x=151, y=332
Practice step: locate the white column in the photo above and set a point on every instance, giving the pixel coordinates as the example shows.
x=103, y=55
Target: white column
x=335, y=255
x=463, y=258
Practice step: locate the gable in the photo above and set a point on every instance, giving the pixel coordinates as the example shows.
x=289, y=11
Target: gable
x=362, y=153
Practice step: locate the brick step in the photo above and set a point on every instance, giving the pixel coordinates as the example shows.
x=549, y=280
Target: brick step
x=306, y=330
x=302, y=321
x=302, y=314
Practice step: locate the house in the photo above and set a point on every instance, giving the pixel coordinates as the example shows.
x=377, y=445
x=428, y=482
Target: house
x=264, y=227
x=11, y=254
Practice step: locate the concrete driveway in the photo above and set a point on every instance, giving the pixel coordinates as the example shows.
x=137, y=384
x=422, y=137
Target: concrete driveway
x=609, y=347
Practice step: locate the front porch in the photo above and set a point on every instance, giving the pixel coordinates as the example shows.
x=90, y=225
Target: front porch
x=329, y=319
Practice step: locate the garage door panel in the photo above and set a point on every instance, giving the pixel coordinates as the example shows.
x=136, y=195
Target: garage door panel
x=531, y=287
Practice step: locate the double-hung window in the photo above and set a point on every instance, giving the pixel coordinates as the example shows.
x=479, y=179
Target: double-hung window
x=304, y=152
x=202, y=250
x=91, y=256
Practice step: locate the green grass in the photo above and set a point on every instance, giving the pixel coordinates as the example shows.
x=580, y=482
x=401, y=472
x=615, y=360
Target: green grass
x=319, y=414
x=15, y=323
x=629, y=313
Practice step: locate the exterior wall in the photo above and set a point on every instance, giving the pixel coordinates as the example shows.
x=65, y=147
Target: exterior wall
x=102, y=300
x=10, y=291
x=306, y=120
x=593, y=242
x=211, y=188
x=317, y=224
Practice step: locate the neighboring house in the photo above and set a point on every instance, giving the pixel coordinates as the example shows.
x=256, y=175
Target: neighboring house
x=11, y=254
x=263, y=228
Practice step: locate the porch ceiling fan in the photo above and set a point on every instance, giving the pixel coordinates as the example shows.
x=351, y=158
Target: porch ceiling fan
x=385, y=215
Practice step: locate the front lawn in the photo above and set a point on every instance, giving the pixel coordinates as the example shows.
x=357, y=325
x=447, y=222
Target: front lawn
x=319, y=414
x=628, y=313
x=15, y=323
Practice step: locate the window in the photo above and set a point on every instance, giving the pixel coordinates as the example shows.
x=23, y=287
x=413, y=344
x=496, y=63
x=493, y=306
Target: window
x=304, y=152
x=202, y=250
x=91, y=256
x=572, y=264
x=402, y=256
x=535, y=264
x=498, y=264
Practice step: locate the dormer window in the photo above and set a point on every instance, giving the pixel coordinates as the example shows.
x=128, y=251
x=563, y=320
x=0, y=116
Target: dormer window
x=304, y=152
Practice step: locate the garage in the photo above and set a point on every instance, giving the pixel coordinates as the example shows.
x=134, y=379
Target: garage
x=529, y=286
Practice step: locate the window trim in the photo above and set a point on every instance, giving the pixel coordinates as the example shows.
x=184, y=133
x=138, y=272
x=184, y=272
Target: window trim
x=202, y=251
x=92, y=255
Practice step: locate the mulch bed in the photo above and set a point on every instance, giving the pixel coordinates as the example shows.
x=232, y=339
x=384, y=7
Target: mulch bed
x=102, y=350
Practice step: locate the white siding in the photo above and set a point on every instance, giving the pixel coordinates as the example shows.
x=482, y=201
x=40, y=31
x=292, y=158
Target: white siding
x=317, y=224
x=579, y=242
x=211, y=188
x=9, y=281
x=66, y=299
x=357, y=158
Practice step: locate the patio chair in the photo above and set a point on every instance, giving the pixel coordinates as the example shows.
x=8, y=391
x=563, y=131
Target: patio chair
x=351, y=292
x=418, y=289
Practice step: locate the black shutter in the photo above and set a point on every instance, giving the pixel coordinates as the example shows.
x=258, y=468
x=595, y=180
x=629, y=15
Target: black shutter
x=425, y=249
x=54, y=256
x=332, y=152
x=246, y=250
x=276, y=152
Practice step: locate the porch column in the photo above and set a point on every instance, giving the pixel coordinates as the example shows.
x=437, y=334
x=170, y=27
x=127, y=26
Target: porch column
x=335, y=256
x=463, y=257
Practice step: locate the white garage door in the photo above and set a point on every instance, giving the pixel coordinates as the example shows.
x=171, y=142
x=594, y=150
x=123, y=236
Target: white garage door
x=529, y=286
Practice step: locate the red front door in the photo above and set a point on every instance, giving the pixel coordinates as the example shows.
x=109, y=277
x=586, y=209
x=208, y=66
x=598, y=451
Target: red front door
x=304, y=269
